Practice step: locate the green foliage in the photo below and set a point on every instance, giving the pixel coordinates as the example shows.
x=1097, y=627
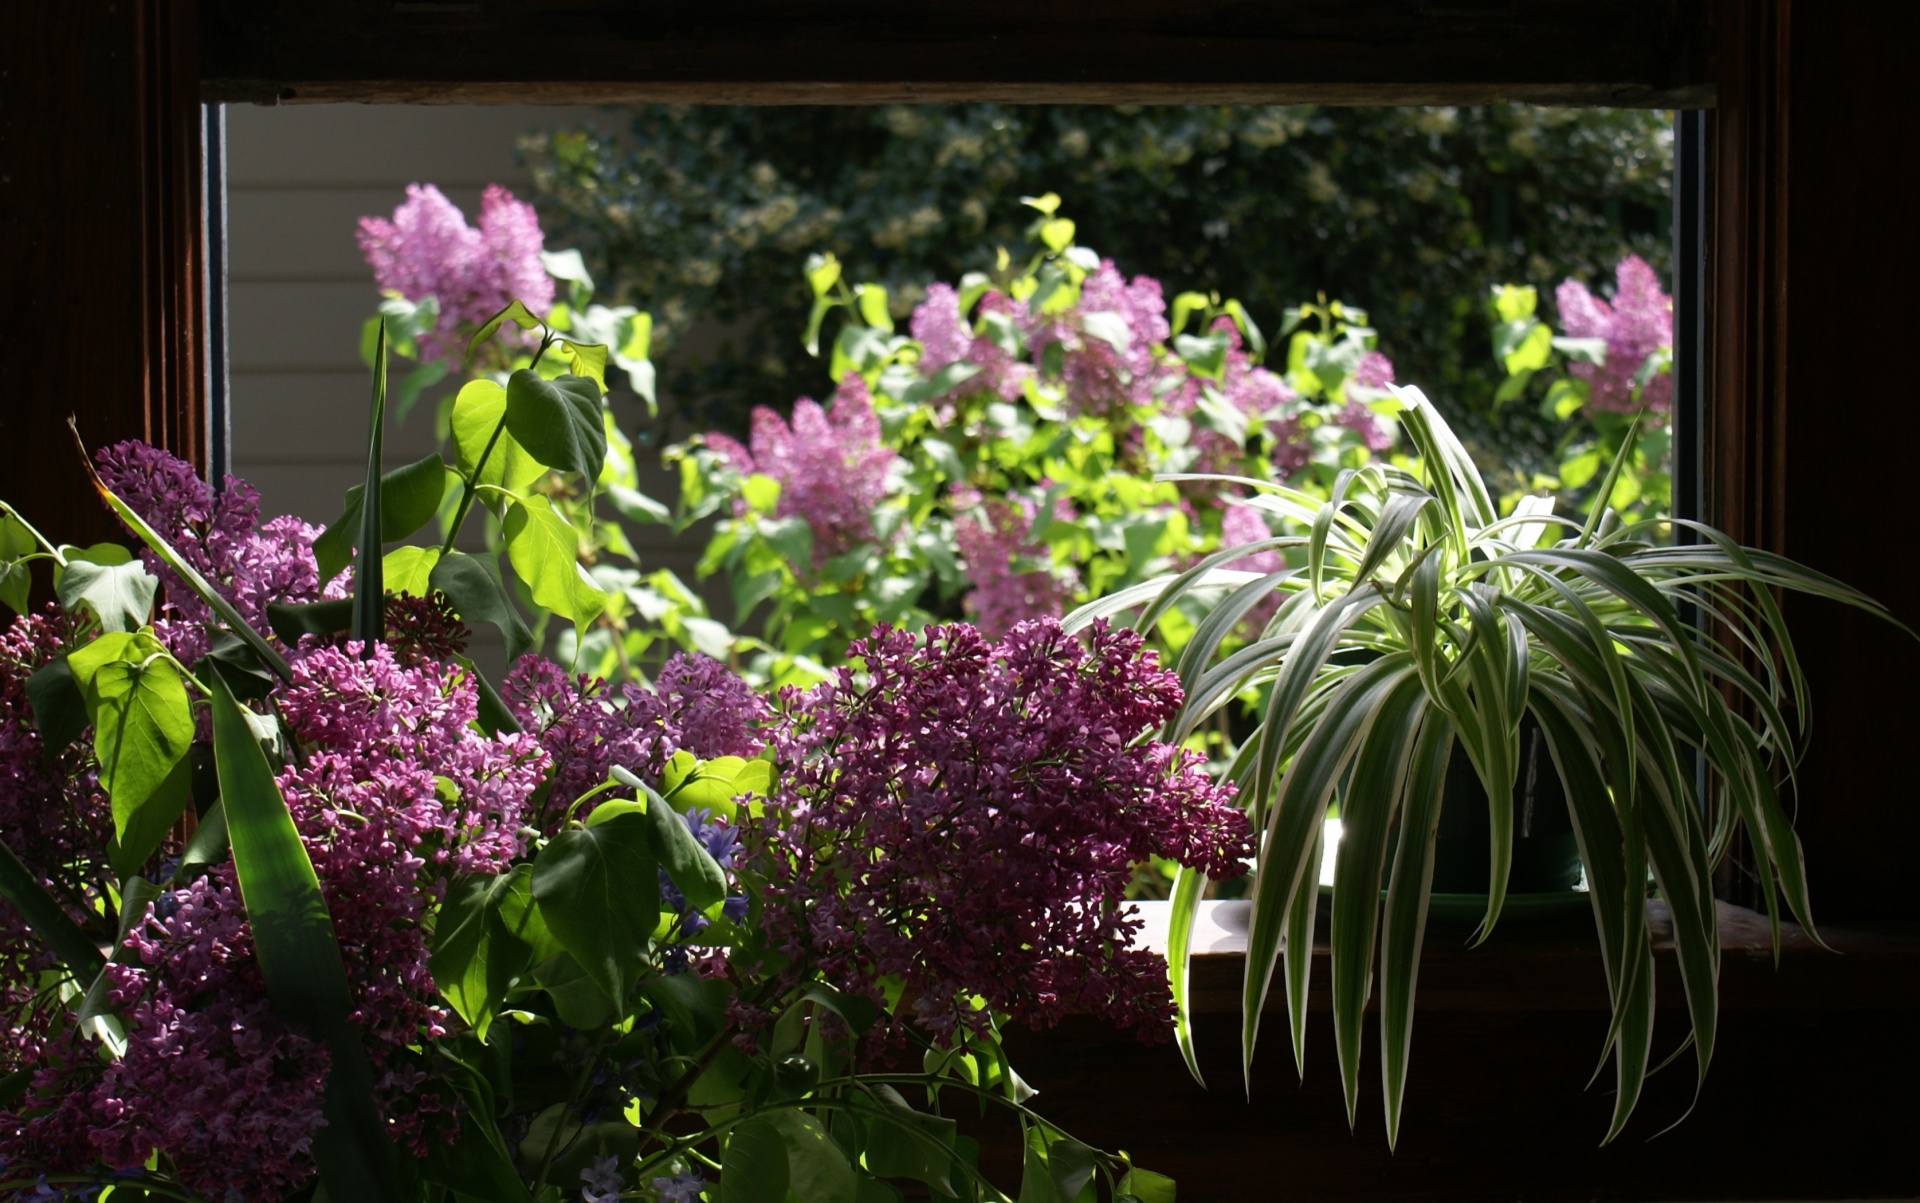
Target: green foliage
x=114, y=586
x=1587, y=439
x=1065, y=493
x=699, y=212
x=585, y=1035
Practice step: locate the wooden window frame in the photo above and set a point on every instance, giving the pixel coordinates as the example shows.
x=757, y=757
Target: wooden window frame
x=103, y=254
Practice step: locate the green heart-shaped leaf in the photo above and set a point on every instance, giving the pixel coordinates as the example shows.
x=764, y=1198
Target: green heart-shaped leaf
x=558, y=421
x=142, y=728
x=109, y=581
x=545, y=550
x=476, y=592
x=477, y=414
x=599, y=892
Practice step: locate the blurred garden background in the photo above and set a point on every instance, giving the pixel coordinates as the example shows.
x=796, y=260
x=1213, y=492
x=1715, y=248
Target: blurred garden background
x=701, y=215
x=1253, y=278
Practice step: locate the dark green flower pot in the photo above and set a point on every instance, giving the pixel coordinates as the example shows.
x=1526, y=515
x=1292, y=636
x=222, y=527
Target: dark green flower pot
x=1546, y=858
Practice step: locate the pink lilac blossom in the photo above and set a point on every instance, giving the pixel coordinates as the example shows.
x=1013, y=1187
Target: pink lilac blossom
x=1102, y=375
x=830, y=463
x=428, y=249
x=1263, y=398
x=946, y=337
x=219, y=534
x=991, y=533
x=1372, y=374
x=965, y=816
x=587, y=726
x=211, y=1074
x=1242, y=524
x=398, y=793
x=1638, y=323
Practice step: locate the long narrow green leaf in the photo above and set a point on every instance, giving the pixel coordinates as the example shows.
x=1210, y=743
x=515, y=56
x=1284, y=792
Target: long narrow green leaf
x=369, y=585
x=1408, y=890
x=1322, y=528
x=1205, y=642
x=1297, y=673
x=1293, y=830
x=1680, y=869
x=1369, y=805
x=1303, y=905
x=294, y=942
x=49, y=921
x=1618, y=897
x=1184, y=907
x=1389, y=537
x=1614, y=469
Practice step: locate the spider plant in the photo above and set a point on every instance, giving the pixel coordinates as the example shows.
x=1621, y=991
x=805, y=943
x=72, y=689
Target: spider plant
x=1634, y=658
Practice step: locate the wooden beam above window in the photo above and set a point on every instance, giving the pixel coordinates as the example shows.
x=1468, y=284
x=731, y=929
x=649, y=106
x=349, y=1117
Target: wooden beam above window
x=1651, y=53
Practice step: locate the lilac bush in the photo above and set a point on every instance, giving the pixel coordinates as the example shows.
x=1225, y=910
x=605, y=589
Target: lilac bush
x=830, y=464
x=1008, y=448
x=587, y=725
x=1636, y=324
x=993, y=534
x=1608, y=377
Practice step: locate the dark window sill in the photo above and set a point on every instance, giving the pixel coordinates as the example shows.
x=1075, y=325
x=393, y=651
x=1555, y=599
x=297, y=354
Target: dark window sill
x=1802, y=1100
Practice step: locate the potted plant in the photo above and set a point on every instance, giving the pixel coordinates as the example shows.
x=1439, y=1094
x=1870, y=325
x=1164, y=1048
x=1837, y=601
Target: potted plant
x=1413, y=624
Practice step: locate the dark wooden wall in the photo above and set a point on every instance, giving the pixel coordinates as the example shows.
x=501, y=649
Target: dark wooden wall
x=100, y=246
x=1814, y=250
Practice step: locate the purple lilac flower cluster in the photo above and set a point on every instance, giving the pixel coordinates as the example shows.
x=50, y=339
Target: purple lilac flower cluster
x=965, y=815
x=428, y=249
x=946, y=337
x=1108, y=371
x=398, y=793
x=220, y=535
x=1638, y=323
x=51, y=812
x=993, y=532
x=588, y=726
x=395, y=792
x=209, y=1073
x=830, y=464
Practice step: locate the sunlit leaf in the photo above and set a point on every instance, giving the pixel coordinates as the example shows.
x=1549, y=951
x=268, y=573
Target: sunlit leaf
x=110, y=583
x=544, y=550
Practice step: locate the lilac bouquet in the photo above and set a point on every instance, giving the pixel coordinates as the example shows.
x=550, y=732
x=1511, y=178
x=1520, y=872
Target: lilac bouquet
x=291, y=894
